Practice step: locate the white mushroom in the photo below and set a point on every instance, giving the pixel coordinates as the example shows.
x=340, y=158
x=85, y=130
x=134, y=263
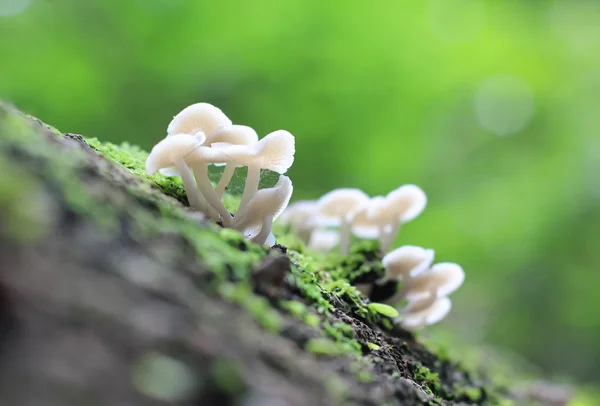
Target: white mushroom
x=199, y=117
x=263, y=209
x=364, y=222
x=439, y=281
x=406, y=262
x=173, y=152
x=337, y=208
x=300, y=216
x=323, y=240
x=274, y=152
x=234, y=135
x=270, y=241
x=401, y=206
x=184, y=151
x=196, y=119
x=427, y=316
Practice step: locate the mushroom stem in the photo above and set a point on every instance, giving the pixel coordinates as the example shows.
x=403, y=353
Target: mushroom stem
x=194, y=197
x=265, y=230
x=345, y=227
x=250, y=189
x=206, y=188
x=225, y=179
x=387, y=237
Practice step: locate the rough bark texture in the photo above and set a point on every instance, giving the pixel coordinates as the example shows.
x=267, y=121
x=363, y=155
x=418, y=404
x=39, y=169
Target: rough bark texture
x=103, y=301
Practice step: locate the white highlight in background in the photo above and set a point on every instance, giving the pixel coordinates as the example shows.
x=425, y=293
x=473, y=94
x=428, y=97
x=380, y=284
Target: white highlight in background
x=504, y=104
x=9, y=8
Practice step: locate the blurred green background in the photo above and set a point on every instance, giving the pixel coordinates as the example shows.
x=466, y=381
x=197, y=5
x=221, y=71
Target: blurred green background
x=493, y=107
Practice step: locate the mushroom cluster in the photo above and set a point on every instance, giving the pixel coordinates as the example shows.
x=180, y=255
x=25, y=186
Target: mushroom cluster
x=202, y=135
x=425, y=288
x=351, y=211
x=332, y=219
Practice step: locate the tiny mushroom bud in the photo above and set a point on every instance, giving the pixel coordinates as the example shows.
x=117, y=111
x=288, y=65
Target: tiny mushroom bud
x=323, y=240
x=401, y=206
x=199, y=117
x=439, y=281
x=274, y=152
x=263, y=209
x=173, y=152
x=337, y=208
x=300, y=217
x=406, y=262
x=430, y=315
x=234, y=135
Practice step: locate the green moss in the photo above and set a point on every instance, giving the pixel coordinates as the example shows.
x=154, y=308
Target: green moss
x=21, y=137
x=312, y=320
x=473, y=394
x=295, y=308
x=324, y=346
x=227, y=377
x=426, y=376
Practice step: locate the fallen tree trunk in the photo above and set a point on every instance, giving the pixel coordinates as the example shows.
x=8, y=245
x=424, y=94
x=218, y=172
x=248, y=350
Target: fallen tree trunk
x=110, y=295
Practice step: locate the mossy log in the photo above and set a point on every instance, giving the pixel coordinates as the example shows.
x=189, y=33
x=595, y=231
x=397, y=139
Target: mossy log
x=110, y=294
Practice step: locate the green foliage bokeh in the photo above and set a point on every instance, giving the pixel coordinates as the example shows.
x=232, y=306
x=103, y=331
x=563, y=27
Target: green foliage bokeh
x=490, y=106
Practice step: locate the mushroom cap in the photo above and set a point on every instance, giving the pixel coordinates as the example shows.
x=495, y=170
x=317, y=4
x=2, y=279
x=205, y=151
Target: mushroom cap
x=338, y=204
x=323, y=240
x=269, y=201
x=430, y=315
x=407, y=262
x=233, y=134
x=402, y=204
x=299, y=215
x=364, y=224
x=420, y=304
x=169, y=150
x=199, y=117
x=274, y=152
x=442, y=279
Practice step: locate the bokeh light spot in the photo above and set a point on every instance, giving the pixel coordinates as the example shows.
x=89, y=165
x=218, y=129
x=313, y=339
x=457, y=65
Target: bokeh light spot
x=164, y=378
x=10, y=8
x=504, y=104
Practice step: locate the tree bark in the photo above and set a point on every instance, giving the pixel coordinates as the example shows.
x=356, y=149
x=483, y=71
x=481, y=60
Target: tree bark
x=107, y=314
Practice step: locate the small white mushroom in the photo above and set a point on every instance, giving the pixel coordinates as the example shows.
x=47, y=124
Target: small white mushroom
x=323, y=240
x=199, y=117
x=266, y=205
x=337, y=208
x=234, y=135
x=274, y=152
x=300, y=216
x=172, y=152
x=430, y=315
x=439, y=281
x=406, y=262
x=184, y=151
x=365, y=224
x=401, y=206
